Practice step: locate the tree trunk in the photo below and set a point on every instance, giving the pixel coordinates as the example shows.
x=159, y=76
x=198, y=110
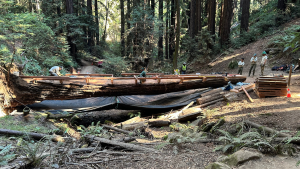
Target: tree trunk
x=97, y=23
x=128, y=42
x=193, y=18
x=281, y=5
x=160, y=41
x=225, y=22
x=245, y=16
x=212, y=17
x=69, y=10
x=84, y=28
x=106, y=17
x=172, y=30
x=91, y=24
x=177, y=35
x=167, y=30
x=122, y=28
x=199, y=6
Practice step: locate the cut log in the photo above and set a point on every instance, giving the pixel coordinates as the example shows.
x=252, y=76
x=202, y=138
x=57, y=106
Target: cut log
x=206, y=99
x=36, y=136
x=116, y=129
x=159, y=122
x=209, y=103
x=188, y=117
x=132, y=120
x=218, y=90
x=133, y=126
x=113, y=115
x=249, y=97
x=176, y=114
x=120, y=144
x=267, y=129
x=231, y=97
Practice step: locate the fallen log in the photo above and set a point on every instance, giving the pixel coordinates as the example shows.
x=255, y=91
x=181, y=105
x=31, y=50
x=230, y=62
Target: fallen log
x=190, y=116
x=120, y=144
x=115, y=129
x=218, y=90
x=113, y=115
x=267, y=129
x=209, y=103
x=210, y=98
x=159, y=122
x=176, y=114
x=36, y=136
x=134, y=126
x=132, y=120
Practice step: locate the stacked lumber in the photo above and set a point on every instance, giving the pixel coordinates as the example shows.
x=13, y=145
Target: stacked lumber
x=211, y=97
x=270, y=86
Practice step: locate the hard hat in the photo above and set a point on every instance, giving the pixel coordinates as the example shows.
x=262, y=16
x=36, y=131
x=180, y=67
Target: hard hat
x=184, y=63
x=254, y=54
x=264, y=53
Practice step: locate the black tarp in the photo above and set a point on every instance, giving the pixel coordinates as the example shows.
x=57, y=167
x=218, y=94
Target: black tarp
x=166, y=102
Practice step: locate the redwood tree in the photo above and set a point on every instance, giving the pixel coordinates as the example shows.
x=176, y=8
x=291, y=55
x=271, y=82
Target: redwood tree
x=225, y=22
x=245, y=15
x=160, y=41
x=281, y=5
x=122, y=28
x=212, y=16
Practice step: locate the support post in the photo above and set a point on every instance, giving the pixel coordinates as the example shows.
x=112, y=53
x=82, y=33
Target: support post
x=290, y=75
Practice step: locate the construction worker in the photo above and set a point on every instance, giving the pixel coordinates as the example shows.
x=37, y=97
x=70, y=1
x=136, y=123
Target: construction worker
x=253, y=64
x=143, y=74
x=241, y=65
x=183, y=68
x=263, y=62
x=54, y=71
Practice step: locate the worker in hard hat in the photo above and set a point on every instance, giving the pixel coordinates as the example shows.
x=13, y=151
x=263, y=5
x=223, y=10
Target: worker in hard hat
x=55, y=71
x=253, y=64
x=183, y=68
x=263, y=62
x=143, y=74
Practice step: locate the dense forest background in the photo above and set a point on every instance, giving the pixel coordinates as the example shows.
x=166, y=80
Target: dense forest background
x=129, y=34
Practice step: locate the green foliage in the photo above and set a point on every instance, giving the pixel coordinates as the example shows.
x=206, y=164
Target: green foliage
x=114, y=65
x=35, y=151
x=185, y=134
x=96, y=130
x=131, y=115
x=5, y=155
x=233, y=64
x=9, y=122
x=253, y=139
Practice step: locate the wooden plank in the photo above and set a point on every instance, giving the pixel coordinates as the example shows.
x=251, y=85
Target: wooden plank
x=108, y=75
x=247, y=94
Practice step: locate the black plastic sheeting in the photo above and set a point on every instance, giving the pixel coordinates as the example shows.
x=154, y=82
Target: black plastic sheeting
x=160, y=102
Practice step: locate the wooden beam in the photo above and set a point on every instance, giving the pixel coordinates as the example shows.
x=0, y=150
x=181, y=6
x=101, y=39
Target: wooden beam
x=108, y=75
x=247, y=94
x=290, y=75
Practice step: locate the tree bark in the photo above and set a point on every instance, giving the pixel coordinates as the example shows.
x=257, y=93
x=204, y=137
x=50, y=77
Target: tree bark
x=212, y=18
x=199, y=11
x=128, y=42
x=245, y=16
x=281, y=5
x=160, y=41
x=225, y=22
x=97, y=23
x=177, y=35
x=172, y=31
x=193, y=18
x=159, y=122
x=91, y=25
x=69, y=10
x=122, y=28
x=106, y=17
x=209, y=98
x=167, y=30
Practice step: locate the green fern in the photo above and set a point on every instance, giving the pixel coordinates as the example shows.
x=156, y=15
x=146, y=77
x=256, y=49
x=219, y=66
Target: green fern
x=5, y=155
x=96, y=130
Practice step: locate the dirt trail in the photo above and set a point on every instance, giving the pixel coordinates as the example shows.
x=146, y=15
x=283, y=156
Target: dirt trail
x=87, y=67
x=246, y=52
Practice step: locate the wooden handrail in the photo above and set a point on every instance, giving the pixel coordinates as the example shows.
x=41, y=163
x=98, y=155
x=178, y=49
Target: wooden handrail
x=108, y=75
x=132, y=74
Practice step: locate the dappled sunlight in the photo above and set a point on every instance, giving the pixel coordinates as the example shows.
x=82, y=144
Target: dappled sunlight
x=227, y=58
